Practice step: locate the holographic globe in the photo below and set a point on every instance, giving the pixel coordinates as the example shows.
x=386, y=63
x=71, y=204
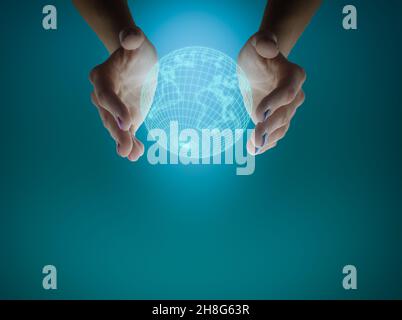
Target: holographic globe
x=198, y=88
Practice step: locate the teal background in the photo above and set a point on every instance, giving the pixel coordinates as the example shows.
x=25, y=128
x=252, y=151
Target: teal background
x=327, y=196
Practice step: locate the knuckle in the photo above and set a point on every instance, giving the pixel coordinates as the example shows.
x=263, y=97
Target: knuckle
x=286, y=116
x=257, y=115
x=93, y=99
x=302, y=73
x=125, y=143
x=299, y=73
x=93, y=73
x=290, y=94
x=292, y=114
x=281, y=117
x=102, y=96
x=302, y=97
x=106, y=121
x=283, y=132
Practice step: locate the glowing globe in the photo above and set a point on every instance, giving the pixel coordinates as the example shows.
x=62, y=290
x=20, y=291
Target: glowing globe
x=197, y=88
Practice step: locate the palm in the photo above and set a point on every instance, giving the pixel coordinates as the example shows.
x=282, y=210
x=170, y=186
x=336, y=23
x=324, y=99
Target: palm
x=276, y=88
x=264, y=75
x=128, y=71
x=117, y=91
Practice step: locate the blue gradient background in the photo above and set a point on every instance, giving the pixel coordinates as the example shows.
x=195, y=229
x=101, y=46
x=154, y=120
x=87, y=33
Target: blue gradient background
x=327, y=196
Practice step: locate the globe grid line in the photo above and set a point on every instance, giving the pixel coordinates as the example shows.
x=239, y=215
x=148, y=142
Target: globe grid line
x=200, y=88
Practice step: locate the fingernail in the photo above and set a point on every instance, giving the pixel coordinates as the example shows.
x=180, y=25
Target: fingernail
x=254, y=41
x=264, y=139
x=266, y=114
x=120, y=123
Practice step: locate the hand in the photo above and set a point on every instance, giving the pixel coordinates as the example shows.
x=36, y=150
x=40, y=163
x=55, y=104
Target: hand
x=276, y=86
x=117, y=90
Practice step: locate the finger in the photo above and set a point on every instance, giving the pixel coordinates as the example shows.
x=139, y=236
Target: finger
x=137, y=120
x=275, y=137
x=137, y=150
x=131, y=38
x=271, y=142
x=253, y=146
x=278, y=119
x=257, y=138
x=122, y=138
x=265, y=44
x=94, y=100
x=271, y=146
x=281, y=96
x=253, y=150
x=109, y=100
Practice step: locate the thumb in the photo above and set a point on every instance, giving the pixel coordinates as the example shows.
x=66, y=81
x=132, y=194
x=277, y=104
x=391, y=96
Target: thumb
x=131, y=38
x=265, y=43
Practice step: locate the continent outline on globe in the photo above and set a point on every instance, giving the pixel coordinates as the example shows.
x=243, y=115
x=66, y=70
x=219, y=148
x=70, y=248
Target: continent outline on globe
x=199, y=88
